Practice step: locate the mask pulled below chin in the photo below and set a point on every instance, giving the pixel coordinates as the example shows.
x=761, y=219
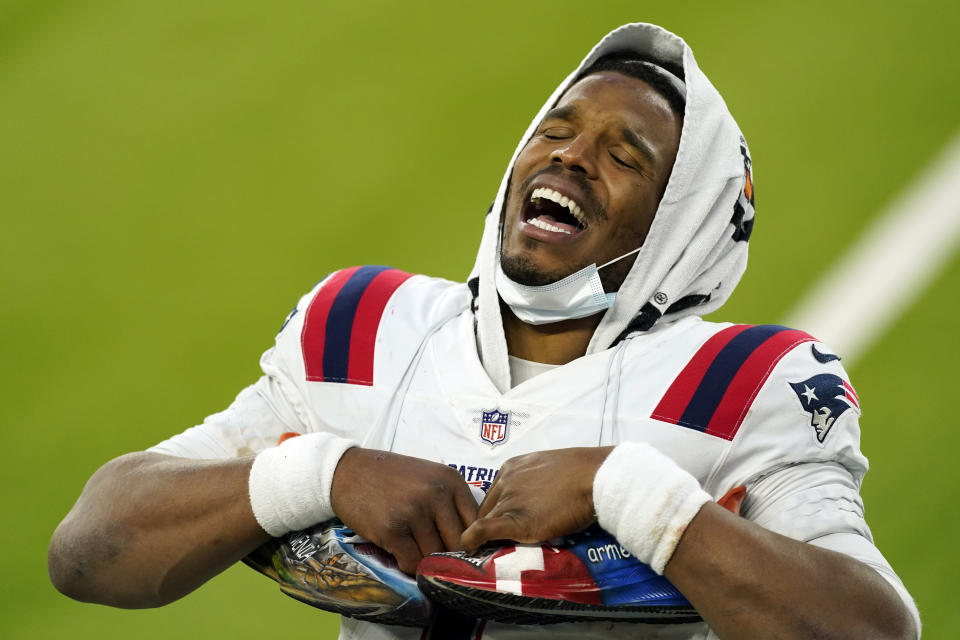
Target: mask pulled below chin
x=578, y=295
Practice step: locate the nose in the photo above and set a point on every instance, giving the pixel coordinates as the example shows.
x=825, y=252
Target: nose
x=577, y=154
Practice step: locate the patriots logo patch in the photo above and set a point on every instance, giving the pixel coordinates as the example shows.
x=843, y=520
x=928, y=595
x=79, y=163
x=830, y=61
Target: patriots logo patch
x=825, y=397
x=493, y=426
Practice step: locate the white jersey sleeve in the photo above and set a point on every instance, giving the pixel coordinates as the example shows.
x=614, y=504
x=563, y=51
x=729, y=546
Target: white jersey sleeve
x=798, y=453
x=255, y=420
x=819, y=503
x=261, y=413
x=335, y=365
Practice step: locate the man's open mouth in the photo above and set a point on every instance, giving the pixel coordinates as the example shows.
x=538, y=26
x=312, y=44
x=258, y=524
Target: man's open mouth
x=552, y=211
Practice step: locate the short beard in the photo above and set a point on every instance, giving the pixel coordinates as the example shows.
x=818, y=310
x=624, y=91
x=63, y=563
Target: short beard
x=525, y=271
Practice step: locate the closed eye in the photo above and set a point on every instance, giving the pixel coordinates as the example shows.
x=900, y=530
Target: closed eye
x=556, y=133
x=625, y=162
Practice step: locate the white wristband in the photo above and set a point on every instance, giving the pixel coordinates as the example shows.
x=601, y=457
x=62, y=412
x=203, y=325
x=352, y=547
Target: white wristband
x=645, y=500
x=290, y=484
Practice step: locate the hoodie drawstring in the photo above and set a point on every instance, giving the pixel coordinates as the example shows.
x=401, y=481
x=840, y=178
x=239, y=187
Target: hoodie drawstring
x=611, y=397
x=389, y=421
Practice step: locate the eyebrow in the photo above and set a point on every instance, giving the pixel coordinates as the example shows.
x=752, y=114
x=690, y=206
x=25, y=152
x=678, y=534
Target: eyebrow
x=560, y=113
x=629, y=135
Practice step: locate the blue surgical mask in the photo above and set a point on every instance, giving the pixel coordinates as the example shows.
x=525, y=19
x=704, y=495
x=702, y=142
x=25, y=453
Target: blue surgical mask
x=578, y=295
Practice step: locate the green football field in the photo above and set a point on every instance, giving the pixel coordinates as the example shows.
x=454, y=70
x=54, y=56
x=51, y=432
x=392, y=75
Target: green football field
x=173, y=176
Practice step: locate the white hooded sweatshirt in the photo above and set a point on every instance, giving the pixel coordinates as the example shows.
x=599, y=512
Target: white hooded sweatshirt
x=696, y=249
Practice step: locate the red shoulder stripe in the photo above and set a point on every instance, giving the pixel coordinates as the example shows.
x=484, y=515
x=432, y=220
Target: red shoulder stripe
x=678, y=396
x=314, y=333
x=749, y=379
x=851, y=394
x=366, y=322
x=718, y=385
x=340, y=328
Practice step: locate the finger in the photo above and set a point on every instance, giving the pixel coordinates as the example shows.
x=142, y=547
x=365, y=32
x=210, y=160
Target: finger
x=427, y=538
x=496, y=528
x=407, y=553
x=465, y=504
x=493, y=484
x=491, y=499
x=450, y=525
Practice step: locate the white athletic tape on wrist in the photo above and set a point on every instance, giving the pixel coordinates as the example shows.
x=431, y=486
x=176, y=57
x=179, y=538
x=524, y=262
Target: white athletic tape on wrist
x=290, y=484
x=645, y=500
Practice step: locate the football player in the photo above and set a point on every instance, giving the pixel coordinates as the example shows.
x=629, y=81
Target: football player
x=573, y=393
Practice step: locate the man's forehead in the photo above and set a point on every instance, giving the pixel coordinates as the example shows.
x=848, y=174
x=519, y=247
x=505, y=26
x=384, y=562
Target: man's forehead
x=667, y=78
x=628, y=96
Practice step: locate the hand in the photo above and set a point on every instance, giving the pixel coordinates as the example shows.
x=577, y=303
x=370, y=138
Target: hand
x=407, y=506
x=538, y=496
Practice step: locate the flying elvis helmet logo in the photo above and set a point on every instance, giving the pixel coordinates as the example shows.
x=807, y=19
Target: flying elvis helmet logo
x=493, y=426
x=825, y=397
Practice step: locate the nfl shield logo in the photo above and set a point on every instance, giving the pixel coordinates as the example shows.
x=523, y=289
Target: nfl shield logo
x=493, y=426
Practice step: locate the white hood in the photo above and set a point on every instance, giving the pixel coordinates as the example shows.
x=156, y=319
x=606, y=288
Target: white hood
x=696, y=249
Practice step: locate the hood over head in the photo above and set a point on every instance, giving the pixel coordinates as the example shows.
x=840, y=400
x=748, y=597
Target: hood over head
x=696, y=249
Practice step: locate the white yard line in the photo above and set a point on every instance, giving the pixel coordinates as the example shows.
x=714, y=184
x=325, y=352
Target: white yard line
x=890, y=265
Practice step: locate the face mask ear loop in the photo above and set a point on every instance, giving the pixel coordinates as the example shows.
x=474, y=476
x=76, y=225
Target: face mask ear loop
x=629, y=253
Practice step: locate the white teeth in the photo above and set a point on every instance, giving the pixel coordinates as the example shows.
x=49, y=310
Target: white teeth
x=540, y=224
x=562, y=200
